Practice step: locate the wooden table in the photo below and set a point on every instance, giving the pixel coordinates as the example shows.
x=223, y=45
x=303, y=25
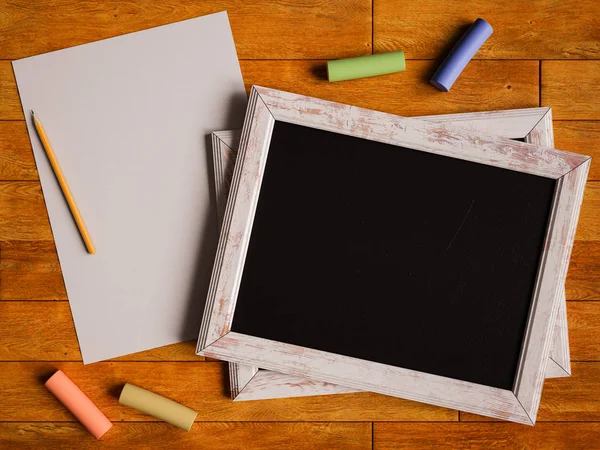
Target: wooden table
x=542, y=52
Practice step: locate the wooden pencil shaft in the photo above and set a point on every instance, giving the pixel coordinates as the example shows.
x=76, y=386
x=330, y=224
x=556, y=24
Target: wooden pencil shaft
x=63, y=185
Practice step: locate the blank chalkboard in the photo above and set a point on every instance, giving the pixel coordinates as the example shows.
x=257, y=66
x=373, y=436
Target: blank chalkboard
x=393, y=255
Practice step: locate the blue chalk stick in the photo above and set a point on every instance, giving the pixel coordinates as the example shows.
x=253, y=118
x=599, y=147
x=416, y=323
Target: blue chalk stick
x=461, y=54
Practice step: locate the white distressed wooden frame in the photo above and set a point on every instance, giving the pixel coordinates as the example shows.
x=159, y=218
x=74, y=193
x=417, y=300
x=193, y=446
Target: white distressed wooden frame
x=216, y=339
x=533, y=125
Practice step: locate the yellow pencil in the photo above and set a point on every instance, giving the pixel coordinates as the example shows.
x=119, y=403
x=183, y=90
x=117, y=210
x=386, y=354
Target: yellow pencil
x=63, y=185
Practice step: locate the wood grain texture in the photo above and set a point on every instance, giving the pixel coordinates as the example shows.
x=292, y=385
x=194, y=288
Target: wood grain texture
x=536, y=29
x=29, y=270
x=583, y=282
x=23, y=213
x=16, y=158
x=589, y=223
x=209, y=436
x=484, y=436
x=490, y=85
x=571, y=88
x=261, y=29
x=580, y=137
x=201, y=386
x=576, y=398
x=10, y=105
x=27, y=334
x=584, y=329
x=36, y=276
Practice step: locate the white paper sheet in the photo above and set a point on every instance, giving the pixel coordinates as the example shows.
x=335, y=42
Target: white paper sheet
x=129, y=119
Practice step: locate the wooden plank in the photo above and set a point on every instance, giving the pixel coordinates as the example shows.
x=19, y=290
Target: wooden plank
x=23, y=212
x=274, y=29
x=201, y=386
x=23, y=203
x=571, y=88
x=472, y=436
x=583, y=282
x=16, y=157
x=489, y=85
x=216, y=435
x=576, y=398
x=10, y=105
x=588, y=228
x=484, y=84
x=580, y=137
x=537, y=29
x=29, y=270
x=28, y=335
x=584, y=330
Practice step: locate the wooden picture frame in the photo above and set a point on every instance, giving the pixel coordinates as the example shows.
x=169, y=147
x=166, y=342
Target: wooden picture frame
x=532, y=125
x=266, y=106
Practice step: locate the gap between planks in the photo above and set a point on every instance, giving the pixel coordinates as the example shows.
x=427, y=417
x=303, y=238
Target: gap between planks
x=411, y=59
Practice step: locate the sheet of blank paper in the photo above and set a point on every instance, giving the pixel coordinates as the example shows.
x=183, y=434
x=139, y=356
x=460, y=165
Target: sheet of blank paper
x=129, y=119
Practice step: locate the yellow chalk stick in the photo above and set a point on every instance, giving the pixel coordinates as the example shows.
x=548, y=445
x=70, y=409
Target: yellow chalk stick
x=158, y=406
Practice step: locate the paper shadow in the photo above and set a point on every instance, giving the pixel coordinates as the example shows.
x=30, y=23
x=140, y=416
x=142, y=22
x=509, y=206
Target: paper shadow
x=236, y=112
x=209, y=231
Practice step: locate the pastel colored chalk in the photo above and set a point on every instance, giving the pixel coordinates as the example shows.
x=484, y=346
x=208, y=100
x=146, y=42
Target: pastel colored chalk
x=158, y=406
x=78, y=403
x=461, y=54
x=366, y=66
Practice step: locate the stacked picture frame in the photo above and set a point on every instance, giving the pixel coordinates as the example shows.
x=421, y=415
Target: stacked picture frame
x=482, y=138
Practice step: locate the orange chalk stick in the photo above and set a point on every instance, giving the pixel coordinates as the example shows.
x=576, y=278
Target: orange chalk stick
x=79, y=404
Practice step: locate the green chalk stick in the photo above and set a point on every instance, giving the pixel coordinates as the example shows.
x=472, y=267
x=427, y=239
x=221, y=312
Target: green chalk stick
x=366, y=66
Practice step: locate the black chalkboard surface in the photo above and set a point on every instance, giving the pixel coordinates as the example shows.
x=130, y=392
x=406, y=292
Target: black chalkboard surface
x=393, y=255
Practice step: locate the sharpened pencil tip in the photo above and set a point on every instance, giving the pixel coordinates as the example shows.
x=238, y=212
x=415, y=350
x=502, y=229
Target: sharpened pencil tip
x=32, y=113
